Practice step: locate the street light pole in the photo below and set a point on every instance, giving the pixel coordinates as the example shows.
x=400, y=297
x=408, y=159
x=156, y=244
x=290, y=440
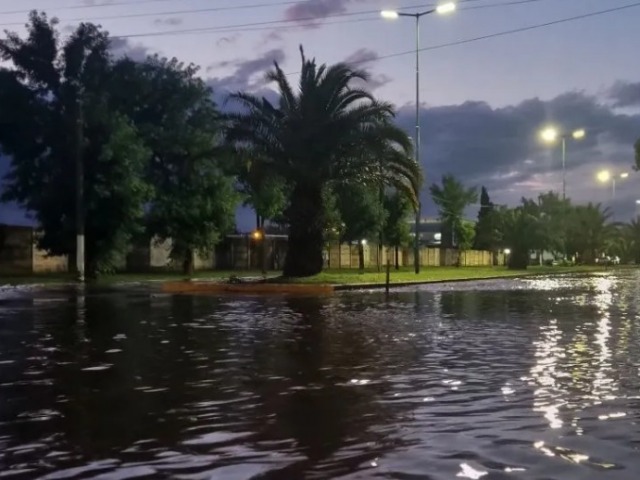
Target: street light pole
x=416, y=243
x=549, y=135
x=564, y=167
x=79, y=181
x=391, y=14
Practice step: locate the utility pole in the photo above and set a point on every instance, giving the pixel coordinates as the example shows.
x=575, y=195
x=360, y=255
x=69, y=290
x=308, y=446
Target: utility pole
x=79, y=170
x=443, y=8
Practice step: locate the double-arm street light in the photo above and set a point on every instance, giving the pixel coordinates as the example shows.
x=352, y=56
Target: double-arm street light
x=606, y=176
x=550, y=135
x=392, y=15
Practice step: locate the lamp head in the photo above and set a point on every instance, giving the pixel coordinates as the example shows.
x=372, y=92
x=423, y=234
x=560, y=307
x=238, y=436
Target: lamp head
x=578, y=134
x=389, y=14
x=604, y=176
x=445, y=8
x=549, y=134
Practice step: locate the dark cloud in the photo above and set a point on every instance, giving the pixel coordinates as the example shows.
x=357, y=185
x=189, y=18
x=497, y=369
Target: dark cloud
x=362, y=55
x=315, y=10
x=272, y=36
x=500, y=147
x=230, y=39
x=171, y=21
x=121, y=47
x=367, y=56
x=248, y=74
x=625, y=94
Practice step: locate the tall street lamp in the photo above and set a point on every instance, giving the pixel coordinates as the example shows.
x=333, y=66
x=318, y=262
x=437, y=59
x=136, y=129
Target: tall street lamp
x=605, y=176
x=392, y=15
x=550, y=135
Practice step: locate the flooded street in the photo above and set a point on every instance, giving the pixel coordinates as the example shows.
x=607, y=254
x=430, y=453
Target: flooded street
x=523, y=379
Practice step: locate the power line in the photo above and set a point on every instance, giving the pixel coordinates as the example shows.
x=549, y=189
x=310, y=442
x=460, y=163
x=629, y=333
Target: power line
x=300, y=22
x=153, y=14
x=246, y=7
x=497, y=34
x=233, y=29
x=199, y=10
x=85, y=6
x=218, y=9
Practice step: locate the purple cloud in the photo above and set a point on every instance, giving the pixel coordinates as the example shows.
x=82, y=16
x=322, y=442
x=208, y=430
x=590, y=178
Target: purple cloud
x=121, y=47
x=365, y=56
x=243, y=78
x=625, y=94
x=171, y=21
x=315, y=10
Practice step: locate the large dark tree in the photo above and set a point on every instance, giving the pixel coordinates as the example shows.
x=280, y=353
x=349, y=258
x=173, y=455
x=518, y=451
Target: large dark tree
x=191, y=168
x=485, y=226
x=330, y=129
x=555, y=214
x=56, y=114
x=589, y=231
x=520, y=230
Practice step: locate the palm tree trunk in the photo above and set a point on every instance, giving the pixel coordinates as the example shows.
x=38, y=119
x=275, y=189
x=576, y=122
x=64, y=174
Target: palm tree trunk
x=305, y=215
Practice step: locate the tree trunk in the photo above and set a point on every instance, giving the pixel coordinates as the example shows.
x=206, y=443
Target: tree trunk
x=361, y=256
x=519, y=259
x=187, y=262
x=306, y=222
x=397, y=258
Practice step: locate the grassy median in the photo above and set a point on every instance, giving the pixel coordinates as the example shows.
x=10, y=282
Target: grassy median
x=332, y=276
x=433, y=274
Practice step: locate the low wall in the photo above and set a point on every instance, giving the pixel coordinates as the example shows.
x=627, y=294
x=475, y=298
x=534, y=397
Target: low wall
x=346, y=257
x=156, y=255
x=20, y=254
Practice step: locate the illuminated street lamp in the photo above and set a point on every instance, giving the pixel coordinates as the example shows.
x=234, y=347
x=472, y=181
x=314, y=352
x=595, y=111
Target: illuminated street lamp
x=604, y=176
x=442, y=9
x=550, y=135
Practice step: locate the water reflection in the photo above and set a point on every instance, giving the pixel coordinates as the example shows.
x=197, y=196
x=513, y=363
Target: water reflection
x=519, y=379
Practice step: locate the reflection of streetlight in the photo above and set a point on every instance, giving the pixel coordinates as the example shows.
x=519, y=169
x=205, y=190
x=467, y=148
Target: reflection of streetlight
x=550, y=135
x=392, y=15
x=604, y=176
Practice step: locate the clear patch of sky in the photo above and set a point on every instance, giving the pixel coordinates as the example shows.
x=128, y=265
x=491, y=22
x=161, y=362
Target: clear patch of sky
x=589, y=54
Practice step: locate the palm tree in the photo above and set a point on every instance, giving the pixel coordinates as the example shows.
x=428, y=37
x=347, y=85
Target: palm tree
x=452, y=198
x=630, y=238
x=327, y=131
x=521, y=231
x=589, y=231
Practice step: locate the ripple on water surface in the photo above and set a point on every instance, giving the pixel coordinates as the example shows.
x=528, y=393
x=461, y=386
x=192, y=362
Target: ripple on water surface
x=528, y=379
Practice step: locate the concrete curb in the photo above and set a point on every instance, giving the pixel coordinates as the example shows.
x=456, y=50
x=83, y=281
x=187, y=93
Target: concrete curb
x=392, y=285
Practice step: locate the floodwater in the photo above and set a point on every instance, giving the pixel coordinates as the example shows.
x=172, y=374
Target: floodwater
x=524, y=379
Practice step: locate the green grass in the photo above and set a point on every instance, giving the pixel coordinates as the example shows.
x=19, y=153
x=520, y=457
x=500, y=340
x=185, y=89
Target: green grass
x=432, y=274
x=334, y=277
x=62, y=278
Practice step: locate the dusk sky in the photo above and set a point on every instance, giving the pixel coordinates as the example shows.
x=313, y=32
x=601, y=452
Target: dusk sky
x=484, y=101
